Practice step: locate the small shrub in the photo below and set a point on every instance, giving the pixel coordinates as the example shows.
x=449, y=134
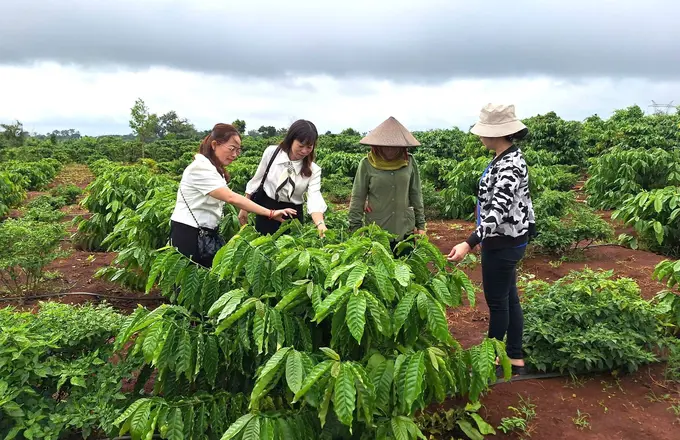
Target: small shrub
x=336, y=188
x=587, y=321
x=49, y=202
x=68, y=192
x=26, y=247
x=563, y=224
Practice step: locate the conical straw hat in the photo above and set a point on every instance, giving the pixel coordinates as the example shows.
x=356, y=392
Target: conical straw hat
x=390, y=134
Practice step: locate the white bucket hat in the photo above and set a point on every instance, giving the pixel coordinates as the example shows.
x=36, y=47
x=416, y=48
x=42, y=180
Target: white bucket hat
x=497, y=120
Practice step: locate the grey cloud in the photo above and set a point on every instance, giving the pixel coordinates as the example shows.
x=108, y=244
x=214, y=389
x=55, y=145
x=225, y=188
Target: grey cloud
x=416, y=41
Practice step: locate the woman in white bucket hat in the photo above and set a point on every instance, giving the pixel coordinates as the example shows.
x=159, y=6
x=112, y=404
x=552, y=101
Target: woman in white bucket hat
x=505, y=224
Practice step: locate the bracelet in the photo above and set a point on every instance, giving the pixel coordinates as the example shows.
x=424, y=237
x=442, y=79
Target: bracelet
x=271, y=214
x=320, y=223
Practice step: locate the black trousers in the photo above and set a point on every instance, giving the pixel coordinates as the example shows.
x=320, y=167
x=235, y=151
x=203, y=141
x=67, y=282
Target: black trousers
x=265, y=226
x=185, y=239
x=499, y=279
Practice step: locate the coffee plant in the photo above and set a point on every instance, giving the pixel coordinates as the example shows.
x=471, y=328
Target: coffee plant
x=668, y=300
x=588, y=321
x=564, y=225
x=12, y=191
x=115, y=189
x=656, y=217
x=291, y=336
x=22, y=261
x=460, y=194
x=56, y=380
x=621, y=173
x=340, y=163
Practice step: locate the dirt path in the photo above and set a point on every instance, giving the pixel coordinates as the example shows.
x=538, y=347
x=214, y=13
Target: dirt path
x=627, y=407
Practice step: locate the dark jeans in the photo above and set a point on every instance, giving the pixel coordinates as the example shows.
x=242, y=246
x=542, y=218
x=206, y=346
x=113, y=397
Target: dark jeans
x=185, y=239
x=265, y=226
x=499, y=278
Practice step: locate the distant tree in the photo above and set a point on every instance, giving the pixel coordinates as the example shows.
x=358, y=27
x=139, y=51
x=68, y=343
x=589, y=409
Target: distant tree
x=240, y=125
x=254, y=133
x=328, y=133
x=14, y=134
x=350, y=132
x=281, y=131
x=171, y=126
x=143, y=124
x=267, y=131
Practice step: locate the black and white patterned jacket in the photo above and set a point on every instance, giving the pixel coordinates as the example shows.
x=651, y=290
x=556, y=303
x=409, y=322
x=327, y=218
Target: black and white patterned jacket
x=505, y=213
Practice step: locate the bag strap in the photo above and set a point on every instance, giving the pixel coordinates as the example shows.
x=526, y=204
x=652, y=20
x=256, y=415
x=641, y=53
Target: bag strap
x=266, y=172
x=190, y=211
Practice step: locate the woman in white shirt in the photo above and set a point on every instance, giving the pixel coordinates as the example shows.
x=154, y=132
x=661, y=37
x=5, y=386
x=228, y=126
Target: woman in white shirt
x=203, y=191
x=286, y=172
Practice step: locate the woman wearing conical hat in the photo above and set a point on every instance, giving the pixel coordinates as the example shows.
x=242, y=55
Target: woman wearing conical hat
x=505, y=223
x=387, y=187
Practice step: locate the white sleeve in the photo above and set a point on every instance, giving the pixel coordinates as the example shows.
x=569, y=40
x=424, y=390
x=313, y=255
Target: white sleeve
x=205, y=178
x=315, y=201
x=254, y=183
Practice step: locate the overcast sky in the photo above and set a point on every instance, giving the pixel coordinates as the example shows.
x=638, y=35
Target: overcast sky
x=430, y=63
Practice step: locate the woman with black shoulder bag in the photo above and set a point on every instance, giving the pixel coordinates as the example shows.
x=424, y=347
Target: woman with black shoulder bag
x=201, y=196
x=286, y=172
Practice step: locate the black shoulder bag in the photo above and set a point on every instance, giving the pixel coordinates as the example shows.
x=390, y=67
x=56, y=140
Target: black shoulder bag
x=209, y=240
x=259, y=193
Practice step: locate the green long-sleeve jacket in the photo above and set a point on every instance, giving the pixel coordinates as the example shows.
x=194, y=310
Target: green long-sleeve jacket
x=395, y=198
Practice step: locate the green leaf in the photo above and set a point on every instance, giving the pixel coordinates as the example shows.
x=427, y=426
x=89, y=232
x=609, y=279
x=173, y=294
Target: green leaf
x=325, y=403
x=344, y=399
x=211, y=359
x=379, y=313
x=176, y=425
x=484, y=427
x=139, y=420
x=231, y=305
x=403, y=309
x=252, y=431
x=266, y=375
x=335, y=299
x=246, y=307
x=78, y=381
x=402, y=273
x=294, y=371
x=356, y=315
x=13, y=410
x=312, y=378
x=238, y=426
x=356, y=276
x=469, y=430
x=658, y=230
x=330, y=353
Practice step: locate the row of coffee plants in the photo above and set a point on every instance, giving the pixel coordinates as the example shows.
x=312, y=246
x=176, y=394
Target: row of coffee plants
x=18, y=177
x=302, y=338
x=621, y=173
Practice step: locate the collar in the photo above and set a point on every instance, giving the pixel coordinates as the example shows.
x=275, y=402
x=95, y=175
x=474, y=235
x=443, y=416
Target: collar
x=512, y=149
x=282, y=159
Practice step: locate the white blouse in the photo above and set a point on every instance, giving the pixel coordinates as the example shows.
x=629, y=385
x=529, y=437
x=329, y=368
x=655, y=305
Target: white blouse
x=282, y=173
x=198, y=179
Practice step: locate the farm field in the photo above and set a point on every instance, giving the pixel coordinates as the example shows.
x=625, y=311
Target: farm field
x=607, y=197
